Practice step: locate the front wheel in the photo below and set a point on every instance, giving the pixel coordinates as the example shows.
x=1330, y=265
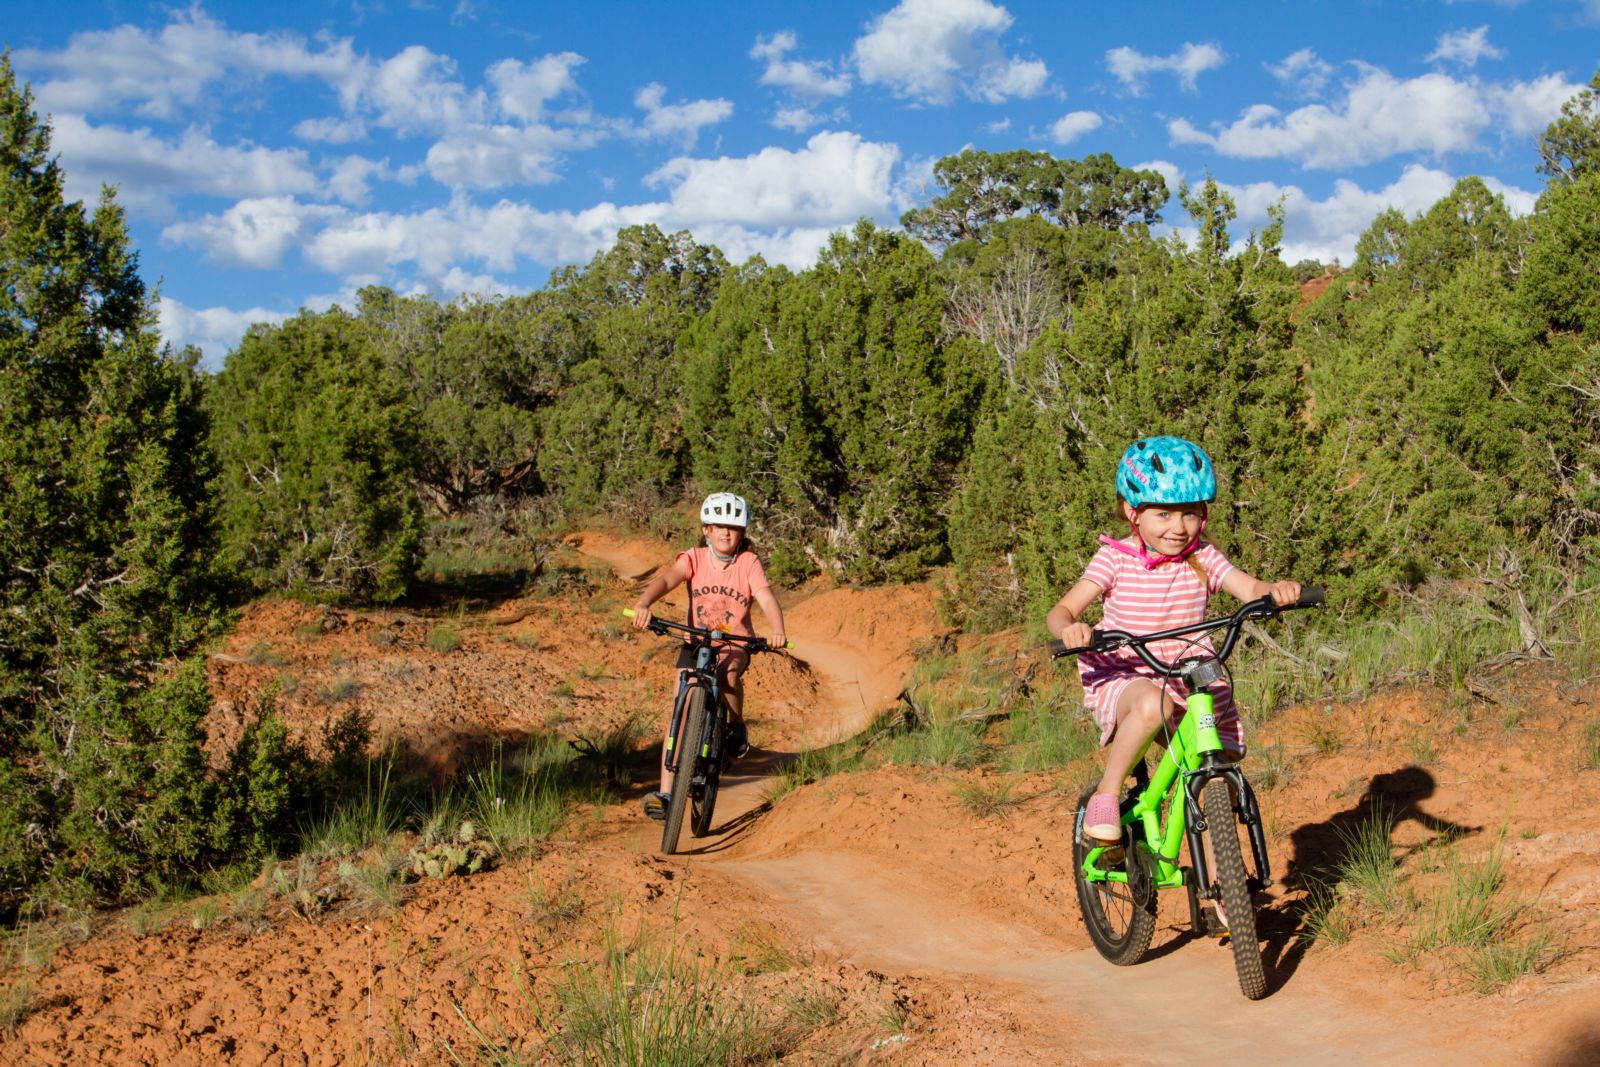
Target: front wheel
x=1119, y=915
x=1228, y=863
x=688, y=743
x=703, y=801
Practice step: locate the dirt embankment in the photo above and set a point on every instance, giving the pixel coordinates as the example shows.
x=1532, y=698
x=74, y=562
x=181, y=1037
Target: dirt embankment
x=914, y=931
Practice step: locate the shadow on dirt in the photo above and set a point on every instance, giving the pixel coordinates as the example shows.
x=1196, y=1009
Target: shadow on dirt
x=1322, y=851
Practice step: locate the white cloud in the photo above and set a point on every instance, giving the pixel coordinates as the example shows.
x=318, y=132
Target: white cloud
x=215, y=331
x=926, y=49
x=254, y=232
x=1528, y=107
x=416, y=91
x=350, y=178
x=683, y=120
x=1465, y=47
x=810, y=80
x=835, y=179
x=798, y=119
x=1381, y=116
x=485, y=157
x=149, y=170
x=523, y=89
x=1073, y=125
x=164, y=71
x=1188, y=63
x=330, y=130
x=1303, y=73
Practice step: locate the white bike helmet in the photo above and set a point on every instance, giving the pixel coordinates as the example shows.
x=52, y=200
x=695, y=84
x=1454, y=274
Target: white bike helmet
x=725, y=509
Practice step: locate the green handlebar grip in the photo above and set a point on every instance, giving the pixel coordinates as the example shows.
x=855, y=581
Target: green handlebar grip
x=628, y=612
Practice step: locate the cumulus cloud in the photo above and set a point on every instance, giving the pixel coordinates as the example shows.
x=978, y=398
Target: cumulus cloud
x=1192, y=60
x=215, y=331
x=1071, y=126
x=1528, y=107
x=254, y=232
x=486, y=157
x=683, y=120
x=835, y=179
x=1382, y=116
x=1303, y=73
x=798, y=119
x=330, y=130
x=927, y=49
x=1465, y=47
x=150, y=170
x=416, y=91
x=810, y=80
x=523, y=89
x=161, y=72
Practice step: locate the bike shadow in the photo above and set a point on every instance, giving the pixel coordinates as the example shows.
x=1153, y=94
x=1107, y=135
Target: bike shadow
x=1322, y=850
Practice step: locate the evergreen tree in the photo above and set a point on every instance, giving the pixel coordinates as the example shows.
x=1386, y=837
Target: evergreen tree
x=317, y=444
x=106, y=542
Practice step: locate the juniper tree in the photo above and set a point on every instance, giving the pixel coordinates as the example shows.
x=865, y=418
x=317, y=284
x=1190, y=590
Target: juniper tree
x=106, y=538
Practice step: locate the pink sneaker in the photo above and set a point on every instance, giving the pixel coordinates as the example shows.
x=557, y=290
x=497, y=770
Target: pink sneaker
x=1102, y=822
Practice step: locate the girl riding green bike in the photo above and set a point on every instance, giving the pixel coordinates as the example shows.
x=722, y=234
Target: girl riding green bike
x=1157, y=578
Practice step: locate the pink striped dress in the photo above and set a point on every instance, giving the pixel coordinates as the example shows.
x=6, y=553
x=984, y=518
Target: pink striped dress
x=1143, y=601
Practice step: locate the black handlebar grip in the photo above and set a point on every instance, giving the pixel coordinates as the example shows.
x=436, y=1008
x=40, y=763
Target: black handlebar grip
x=1310, y=596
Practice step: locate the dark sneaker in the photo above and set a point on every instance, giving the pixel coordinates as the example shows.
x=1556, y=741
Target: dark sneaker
x=737, y=742
x=655, y=806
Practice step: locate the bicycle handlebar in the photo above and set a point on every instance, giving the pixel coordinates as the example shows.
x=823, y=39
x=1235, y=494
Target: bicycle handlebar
x=753, y=643
x=1264, y=608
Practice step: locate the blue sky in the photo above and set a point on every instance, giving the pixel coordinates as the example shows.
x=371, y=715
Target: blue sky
x=280, y=156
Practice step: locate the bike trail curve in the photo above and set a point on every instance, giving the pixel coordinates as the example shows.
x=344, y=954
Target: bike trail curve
x=883, y=912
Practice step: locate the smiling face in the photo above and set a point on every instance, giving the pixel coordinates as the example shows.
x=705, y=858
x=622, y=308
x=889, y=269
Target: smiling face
x=1167, y=529
x=724, y=540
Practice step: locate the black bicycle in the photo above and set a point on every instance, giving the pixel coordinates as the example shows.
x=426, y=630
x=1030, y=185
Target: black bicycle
x=699, y=727
x=1195, y=794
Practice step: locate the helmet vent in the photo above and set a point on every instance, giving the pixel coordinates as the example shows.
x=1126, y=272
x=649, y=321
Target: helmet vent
x=1155, y=461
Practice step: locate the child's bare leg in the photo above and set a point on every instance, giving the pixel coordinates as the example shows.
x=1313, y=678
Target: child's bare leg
x=1141, y=710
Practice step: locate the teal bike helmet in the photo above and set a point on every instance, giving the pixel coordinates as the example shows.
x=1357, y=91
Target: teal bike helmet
x=1165, y=470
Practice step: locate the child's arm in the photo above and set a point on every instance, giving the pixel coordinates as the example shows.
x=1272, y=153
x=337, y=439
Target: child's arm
x=774, y=616
x=1247, y=587
x=658, y=587
x=1063, y=618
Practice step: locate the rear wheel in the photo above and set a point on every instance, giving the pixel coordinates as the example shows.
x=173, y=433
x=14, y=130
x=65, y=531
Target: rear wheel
x=1228, y=862
x=1120, y=916
x=688, y=745
x=703, y=800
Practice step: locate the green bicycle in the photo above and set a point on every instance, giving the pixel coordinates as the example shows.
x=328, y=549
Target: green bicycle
x=1117, y=884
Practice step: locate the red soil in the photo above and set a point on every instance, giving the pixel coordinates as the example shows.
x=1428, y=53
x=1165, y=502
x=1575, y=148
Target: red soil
x=935, y=937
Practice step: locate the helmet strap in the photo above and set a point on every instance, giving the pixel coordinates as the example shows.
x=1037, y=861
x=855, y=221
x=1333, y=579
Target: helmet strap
x=1152, y=560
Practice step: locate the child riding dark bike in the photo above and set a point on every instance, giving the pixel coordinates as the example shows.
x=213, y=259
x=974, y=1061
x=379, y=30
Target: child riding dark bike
x=723, y=577
x=1158, y=578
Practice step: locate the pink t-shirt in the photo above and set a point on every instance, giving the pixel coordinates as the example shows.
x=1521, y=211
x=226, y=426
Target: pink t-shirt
x=720, y=594
x=1142, y=601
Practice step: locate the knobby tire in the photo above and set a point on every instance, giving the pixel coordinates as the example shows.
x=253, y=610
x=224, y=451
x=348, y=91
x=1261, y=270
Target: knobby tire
x=1228, y=861
x=1118, y=924
x=688, y=743
x=704, y=802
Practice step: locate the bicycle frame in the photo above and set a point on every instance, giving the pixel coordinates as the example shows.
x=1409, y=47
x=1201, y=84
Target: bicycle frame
x=703, y=674
x=1194, y=756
